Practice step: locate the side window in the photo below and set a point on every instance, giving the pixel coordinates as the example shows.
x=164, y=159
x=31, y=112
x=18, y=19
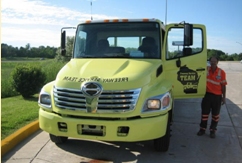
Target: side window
x=175, y=48
x=80, y=46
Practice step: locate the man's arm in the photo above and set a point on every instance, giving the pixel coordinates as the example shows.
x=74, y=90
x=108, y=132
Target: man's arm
x=223, y=94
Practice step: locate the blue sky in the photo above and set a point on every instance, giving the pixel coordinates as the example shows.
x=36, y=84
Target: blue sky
x=39, y=22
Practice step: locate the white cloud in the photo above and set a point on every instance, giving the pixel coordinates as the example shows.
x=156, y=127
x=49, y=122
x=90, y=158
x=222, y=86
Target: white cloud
x=38, y=12
x=223, y=44
x=37, y=22
x=36, y=37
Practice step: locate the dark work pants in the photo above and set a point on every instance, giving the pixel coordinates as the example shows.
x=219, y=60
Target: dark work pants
x=210, y=103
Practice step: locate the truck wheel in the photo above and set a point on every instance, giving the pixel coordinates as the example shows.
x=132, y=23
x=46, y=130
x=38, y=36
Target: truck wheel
x=58, y=139
x=162, y=144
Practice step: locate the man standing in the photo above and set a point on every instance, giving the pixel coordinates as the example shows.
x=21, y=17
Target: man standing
x=214, y=97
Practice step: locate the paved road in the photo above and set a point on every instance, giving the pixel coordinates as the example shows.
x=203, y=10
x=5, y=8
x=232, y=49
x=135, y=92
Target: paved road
x=185, y=146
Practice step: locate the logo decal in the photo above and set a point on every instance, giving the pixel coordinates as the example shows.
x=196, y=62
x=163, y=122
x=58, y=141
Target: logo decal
x=189, y=79
x=91, y=89
x=218, y=77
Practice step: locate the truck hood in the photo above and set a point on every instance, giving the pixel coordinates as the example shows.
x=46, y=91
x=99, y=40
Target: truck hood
x=110, y=73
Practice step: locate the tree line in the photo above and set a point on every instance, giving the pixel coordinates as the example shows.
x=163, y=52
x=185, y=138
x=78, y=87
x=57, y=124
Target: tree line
x=8, y=51
x=224, y=57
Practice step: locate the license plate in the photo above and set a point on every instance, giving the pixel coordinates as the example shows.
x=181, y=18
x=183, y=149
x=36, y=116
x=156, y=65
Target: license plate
x=94, y=130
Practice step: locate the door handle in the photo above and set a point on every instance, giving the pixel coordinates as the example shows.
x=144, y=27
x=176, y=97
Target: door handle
x=200, y=69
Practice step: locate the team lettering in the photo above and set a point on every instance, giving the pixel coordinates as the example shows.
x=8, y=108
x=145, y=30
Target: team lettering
x=107, y=80
x=190, y=85
x=188, y=77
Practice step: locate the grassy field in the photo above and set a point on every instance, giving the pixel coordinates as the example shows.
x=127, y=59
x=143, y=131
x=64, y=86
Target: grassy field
x=16, y=112
x=50, y=67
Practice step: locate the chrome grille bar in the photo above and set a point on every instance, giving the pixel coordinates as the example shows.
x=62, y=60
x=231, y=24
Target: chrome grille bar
x=108, y=102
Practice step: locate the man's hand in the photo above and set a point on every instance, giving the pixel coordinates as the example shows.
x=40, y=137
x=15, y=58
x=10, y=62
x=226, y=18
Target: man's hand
x=223, y=94
x=223, y=101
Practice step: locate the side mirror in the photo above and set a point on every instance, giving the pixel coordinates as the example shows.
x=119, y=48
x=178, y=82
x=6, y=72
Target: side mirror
x=188, y=34
x=187, y=51
x=63, y=43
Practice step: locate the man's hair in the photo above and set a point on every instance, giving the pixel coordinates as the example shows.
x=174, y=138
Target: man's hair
x=214, y=57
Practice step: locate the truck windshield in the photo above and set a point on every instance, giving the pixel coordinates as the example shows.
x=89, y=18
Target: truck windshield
x=118, y=40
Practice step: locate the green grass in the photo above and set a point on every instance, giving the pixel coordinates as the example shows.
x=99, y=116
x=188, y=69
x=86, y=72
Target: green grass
x=20, y=59
x=50, y=67
x=6, y=88
x=17, y=112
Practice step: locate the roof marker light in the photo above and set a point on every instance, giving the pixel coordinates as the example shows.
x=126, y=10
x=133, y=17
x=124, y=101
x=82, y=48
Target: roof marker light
x=145, y=20
x=115, y=20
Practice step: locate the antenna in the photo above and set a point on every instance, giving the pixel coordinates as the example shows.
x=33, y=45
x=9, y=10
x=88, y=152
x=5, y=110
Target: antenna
x=166, y=14
x=91, y=9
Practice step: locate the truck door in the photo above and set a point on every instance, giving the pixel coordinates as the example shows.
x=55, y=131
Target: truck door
x=185, y=66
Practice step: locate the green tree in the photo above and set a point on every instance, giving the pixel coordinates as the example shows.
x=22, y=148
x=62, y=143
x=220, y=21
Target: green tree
x=4, y=50
x=240, y=57
x=69, y=50
x=218, y=53
x=28, y=80
x=235, y=57
x=27, y=46
x=22, y=52
x=230, y=58
x=69, y=45
x=8, y=51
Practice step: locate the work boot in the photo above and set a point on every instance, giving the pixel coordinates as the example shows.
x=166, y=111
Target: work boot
x=212, y=134
x=201, y=132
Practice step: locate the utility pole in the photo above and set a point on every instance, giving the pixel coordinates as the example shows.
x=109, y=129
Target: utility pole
x=238, y=43
x=166, y=14
x=91, y=9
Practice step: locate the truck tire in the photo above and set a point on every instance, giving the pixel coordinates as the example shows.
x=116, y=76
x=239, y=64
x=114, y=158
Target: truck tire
x=162, y=144
x=58, y=139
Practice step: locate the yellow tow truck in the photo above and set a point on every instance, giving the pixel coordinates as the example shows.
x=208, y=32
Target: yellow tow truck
x=122, y=79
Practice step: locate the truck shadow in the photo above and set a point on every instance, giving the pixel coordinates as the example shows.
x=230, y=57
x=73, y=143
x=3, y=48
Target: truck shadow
x=112, y=151
x=187, y=115
x=107, y=151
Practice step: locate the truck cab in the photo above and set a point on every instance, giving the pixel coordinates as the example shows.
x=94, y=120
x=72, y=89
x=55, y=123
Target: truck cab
x=122, y=79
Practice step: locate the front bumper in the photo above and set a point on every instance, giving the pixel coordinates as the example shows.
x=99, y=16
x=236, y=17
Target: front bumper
x=138, y=129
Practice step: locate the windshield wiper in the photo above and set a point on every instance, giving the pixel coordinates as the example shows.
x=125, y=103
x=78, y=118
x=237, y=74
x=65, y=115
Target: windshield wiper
x=88, y=56
x=114, y=57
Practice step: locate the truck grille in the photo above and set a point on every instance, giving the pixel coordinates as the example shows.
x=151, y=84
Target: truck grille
x=108, y=101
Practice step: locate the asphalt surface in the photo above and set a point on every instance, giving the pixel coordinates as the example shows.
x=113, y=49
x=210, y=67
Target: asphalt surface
x=185, y=145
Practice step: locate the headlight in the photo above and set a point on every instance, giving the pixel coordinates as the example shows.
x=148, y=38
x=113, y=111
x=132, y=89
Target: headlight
x=157, y=103
x=44, y=100
x=154, y=104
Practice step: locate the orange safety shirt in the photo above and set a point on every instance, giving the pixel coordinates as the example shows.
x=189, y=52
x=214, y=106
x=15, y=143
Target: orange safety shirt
x=215, y=80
